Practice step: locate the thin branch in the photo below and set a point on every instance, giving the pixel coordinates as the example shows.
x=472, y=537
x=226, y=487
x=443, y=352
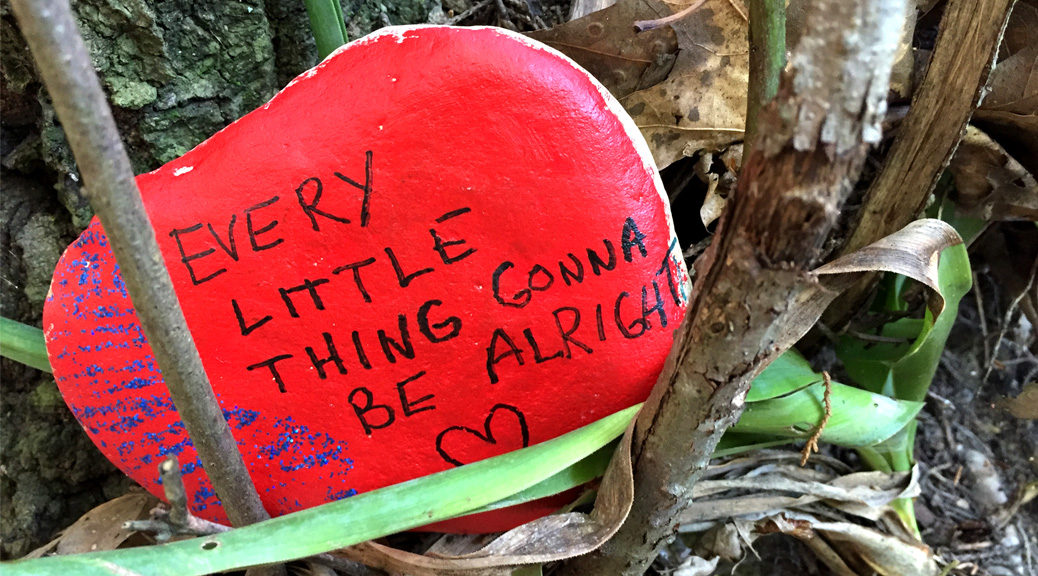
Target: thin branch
x=643, y=25
x=176, y=520
x=69, y=76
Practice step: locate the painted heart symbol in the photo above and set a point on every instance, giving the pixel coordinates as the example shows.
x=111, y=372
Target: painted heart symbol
x=431, y=222
x=473, y=445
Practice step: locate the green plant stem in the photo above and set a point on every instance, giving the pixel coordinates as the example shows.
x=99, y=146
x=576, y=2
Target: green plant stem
x=24, y=344
x=67, y=72
x=349, y=521
x=767, y=56
x=905, y=508
x=328, y=25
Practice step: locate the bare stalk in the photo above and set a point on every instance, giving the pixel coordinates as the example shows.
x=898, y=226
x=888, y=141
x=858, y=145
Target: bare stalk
x=64, y=64
x=767, y=56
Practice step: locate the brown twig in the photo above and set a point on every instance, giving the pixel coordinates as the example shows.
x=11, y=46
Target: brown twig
x=643, y=25
x=812, y=442
x=66, y=70
x=1007, y=321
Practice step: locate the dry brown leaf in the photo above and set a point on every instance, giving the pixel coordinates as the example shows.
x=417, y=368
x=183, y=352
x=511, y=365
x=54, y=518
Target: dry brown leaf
x=865, y=550
x=1020, y=30
x=912, y=251
x=770, y=489
x=875, y=552
x=702, y=103
x=1014, y=83
x=606, y=45
x=1024, y=406
x=546, y=539
x=990, y=184
x=102, y=527
x=1010, y=112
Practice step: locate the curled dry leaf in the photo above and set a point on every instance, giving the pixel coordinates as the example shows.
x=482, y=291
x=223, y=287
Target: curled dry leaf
x=546, y=539
x=606, y=45
x=913, y=251
x=1024, y=406
x=990, y=184
x=857, y=549
x=770, y=489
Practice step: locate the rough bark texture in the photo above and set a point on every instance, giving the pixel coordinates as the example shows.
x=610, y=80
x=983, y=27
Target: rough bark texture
x=176, y=71
x=954, y=85
x=65, y=67
x=746, y=306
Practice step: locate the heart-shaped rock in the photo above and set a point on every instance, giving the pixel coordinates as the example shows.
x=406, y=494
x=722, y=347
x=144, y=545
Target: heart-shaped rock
x=438, y=245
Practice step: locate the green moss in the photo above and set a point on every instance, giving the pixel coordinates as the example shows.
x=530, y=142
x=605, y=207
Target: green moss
x=128, y=93
x=173, y=132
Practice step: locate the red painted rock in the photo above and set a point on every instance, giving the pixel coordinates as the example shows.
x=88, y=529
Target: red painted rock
x=439, y=245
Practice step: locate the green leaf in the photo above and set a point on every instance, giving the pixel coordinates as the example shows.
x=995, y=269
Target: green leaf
x=327, y=24
x=859, y=417
x=339, y=524
x=787, y=401
x=787, y=373
x=905, y=370
x=529, y=570
x=24, y=344
x=576, y=475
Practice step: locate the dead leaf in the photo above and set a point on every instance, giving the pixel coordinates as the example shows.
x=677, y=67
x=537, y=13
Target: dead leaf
x=857, y=549
x=912, y=251
x=1014, y=83
x=990, y=184
x=102, y=527
x=1009, y=113
x=873, y=551
x=606, y=45
x=702, y=103
x=546, y=539
x=1019, y=32
x=770, y=489
x=1024, y=406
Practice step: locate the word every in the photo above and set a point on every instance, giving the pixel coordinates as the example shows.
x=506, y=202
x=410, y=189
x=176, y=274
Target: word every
x=261, y=231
